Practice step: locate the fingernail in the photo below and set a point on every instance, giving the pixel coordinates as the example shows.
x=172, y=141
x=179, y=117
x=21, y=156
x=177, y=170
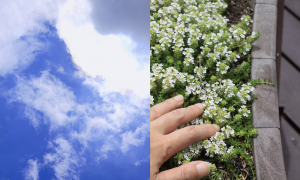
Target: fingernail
x=203, y=169
x=200, y=105
x=178, y=98
x=216, y=127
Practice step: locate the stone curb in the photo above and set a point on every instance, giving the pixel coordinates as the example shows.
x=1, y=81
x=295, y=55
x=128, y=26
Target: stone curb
x=267, y=147
x=264, y=22
x=265, y=110
x=273, y=2
x=268, y=158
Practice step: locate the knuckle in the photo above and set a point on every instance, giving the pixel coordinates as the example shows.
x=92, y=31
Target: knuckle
x=192, y=111
x=191, y=131
x=178, y=114
x=158, y=143
x=154, y=113
x=163, y=148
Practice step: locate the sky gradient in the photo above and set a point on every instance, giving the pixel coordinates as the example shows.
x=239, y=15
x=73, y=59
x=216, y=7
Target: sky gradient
x=74, y=89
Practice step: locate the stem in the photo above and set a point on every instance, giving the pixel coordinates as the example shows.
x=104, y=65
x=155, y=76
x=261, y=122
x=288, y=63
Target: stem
x=266, y=83
x=200, y=69
x=235, y=104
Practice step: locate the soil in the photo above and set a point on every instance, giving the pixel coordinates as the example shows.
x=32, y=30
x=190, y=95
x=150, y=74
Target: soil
x=236, y=9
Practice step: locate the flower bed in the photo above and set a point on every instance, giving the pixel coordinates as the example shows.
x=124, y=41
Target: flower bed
x=196, y=54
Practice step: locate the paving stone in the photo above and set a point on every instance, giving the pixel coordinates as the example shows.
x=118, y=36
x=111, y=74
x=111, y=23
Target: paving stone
x=274, y=2
x=264, y=22
x=265, y=112
x=268, y=155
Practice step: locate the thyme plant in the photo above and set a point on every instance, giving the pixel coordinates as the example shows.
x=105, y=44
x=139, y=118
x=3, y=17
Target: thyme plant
x=194, y=53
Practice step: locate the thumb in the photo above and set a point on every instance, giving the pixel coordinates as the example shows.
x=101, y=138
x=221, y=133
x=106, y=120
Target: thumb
x=189, y=171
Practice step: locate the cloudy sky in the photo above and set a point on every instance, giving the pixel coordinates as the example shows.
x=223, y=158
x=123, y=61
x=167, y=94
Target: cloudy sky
x=74, y=89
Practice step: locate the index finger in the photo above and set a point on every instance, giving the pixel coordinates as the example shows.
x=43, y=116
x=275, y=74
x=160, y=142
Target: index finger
x=165, y=107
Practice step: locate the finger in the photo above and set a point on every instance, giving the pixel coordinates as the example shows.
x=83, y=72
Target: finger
x=182, y=138
x=166, y=106
x=189, y=171
x=172, y=120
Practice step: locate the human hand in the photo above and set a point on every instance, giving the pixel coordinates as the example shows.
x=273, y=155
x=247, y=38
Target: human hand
x=165, y=142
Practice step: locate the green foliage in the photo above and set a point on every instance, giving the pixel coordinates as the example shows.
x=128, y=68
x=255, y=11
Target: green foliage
x=195, y=54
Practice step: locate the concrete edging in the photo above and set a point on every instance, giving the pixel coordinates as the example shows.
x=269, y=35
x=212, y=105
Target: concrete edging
x=267, y=146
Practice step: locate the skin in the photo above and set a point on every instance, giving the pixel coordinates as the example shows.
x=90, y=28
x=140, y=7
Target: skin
x=165, y=141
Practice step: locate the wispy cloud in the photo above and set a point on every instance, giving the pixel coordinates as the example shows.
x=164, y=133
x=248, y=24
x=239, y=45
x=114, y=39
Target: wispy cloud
x=32, y=170
x=138, y=163
x=61, y=69
x=135, y=138
x=110, y=143
x=104, y=126
x=45, y=94
x=57, y=103
x=19, y=42
x=105, y=63
x=33, y=116
x=18, y=54
x=65, y=161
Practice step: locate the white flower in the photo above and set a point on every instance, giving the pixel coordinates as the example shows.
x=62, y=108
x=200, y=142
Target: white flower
x=181, y=27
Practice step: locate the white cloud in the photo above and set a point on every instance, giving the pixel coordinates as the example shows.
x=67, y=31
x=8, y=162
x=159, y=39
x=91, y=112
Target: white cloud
x=110, y=144
x=103, y=125
x=21, y=22
x=64, y=161
x=33, y=116
x=106, y=56
x=96, y=84
x=94, y=129
x=32, y=170
x=18, y=54
x=135, y=138
x=47, y=95
x=108, y=123
x=116, y=112
x=61, y=69
x=138, y=163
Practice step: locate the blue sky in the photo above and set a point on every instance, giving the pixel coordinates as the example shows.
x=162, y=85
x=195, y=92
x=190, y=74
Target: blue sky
x=74, y=89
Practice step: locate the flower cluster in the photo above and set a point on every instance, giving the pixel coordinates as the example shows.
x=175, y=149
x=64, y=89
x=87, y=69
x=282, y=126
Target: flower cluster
x=243, y=94
x=168, y=76
x=188, y=56
x=194, y=53
x=213, y=145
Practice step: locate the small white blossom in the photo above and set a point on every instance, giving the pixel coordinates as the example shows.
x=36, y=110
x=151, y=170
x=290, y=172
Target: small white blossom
x=181, y=30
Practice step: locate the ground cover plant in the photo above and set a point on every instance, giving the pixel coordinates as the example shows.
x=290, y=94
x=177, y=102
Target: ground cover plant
x=195, y=53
